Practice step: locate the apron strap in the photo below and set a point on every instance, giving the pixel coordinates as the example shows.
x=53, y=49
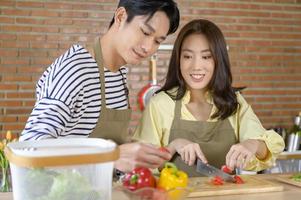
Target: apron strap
x=178, y=107
x=99, y=60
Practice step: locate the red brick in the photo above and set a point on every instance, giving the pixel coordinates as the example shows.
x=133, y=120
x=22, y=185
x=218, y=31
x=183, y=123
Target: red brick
x=16, y=78
x=30, y=4
x=8, y=119
x=30, y=70
x=16, y=28
x=45, y=29
x=61, y=21
x=7, y=20
x=44, y=13
x=7, y=3
x=8, y=69
x=10, y=103
x=18, y=111
x=4, y=86
x=20, y=95
x=57, y=5
x=32, y=53
x=73, y=30
x=74, y=14
x=15, y=61
x=15, y=12
x=14, y=127
x=29, y=21
x=14, y=44
x=31, y=37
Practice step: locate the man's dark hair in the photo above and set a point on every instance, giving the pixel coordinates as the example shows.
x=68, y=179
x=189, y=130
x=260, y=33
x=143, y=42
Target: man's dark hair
x=149, y=8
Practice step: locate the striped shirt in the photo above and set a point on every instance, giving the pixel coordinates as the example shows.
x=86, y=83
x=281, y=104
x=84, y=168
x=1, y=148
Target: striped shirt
x=68, y=96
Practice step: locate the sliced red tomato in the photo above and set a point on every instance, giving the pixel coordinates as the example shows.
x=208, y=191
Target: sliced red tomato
x=164, y=149
x=226, y=169
x=217, y=180
x=238, y=179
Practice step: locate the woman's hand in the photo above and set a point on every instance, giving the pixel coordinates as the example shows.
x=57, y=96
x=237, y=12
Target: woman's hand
x=136, y=154
x=189, y=151
x=242, y=153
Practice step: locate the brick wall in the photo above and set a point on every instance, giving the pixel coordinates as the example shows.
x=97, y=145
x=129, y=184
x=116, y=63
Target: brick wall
x=264, y=38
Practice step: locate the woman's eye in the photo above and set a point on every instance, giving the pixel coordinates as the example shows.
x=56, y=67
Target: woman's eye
x=186, y=56
x=207, y=57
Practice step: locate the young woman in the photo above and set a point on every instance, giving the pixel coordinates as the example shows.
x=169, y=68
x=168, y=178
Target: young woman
x=84, y=94
x=198, y=115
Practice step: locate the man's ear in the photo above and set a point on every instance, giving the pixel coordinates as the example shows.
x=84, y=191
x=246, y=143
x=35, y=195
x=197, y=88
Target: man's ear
x=120, y=16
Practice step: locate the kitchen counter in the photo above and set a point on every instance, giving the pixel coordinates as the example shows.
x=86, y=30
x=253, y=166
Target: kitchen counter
x=290, y=192
x=289, y=155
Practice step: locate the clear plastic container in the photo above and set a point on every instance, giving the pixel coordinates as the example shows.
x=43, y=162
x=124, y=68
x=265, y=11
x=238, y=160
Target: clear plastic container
x=53, y=169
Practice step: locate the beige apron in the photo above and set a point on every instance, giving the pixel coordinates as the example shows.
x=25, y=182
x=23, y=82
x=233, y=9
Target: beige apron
x=112, y=124
x=214, y=138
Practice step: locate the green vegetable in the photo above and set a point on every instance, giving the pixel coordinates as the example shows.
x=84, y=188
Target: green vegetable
x=38, y=183
x=66, y=185
x=297, y=177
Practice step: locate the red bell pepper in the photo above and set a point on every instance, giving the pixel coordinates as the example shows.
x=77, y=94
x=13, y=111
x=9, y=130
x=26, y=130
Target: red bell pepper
x=138, y=178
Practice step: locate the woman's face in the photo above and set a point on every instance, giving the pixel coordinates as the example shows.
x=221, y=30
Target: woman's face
x=196, y=62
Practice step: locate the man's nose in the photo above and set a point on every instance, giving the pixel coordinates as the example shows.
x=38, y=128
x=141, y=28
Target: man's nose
x=148, y=46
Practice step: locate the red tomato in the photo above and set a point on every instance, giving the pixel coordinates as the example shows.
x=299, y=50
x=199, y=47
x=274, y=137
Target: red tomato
x=238, y=179
x=226, y=169
x=164, y=149
x=217, y=180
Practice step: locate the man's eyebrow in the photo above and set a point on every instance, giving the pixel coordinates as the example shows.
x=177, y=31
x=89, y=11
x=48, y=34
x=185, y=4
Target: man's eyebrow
x=153, y=30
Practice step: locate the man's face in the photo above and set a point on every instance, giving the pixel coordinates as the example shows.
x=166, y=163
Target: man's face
x=141, y=37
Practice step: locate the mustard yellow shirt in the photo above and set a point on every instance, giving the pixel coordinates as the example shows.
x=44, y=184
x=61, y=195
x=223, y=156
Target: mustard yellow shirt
x=155, y=125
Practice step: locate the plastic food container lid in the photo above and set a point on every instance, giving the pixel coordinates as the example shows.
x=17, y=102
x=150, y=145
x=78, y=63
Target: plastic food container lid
x=60, y=152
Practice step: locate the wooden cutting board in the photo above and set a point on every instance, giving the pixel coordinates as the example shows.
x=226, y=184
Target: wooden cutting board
x=201, y=186
x=288, y=179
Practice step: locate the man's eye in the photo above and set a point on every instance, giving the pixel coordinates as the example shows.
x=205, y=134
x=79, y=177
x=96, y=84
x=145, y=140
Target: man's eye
x=145, y=33
x=157, y=42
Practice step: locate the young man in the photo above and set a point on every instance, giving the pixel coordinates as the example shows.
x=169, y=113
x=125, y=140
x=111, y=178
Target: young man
x=71, y=99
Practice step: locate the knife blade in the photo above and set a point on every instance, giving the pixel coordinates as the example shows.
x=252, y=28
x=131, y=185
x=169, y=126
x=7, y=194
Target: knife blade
x=211, y=171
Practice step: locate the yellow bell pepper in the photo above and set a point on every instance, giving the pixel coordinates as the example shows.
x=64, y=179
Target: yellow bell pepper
x=171, y=177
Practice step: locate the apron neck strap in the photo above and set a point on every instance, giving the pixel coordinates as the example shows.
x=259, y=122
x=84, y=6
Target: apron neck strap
x=178, y=108
x=99, y=60
x=100, y=63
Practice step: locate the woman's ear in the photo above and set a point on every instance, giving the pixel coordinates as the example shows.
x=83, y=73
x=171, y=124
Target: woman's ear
x=120, y=16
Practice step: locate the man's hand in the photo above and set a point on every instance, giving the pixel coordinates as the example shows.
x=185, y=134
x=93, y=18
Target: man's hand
x=136, y=154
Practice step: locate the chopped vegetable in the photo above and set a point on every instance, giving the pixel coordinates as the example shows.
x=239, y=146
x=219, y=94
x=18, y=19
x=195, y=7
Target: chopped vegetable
x=217, y=180
x=226, y=169
x=140, y=177
x=238, y=179
x=297, y=177
x=164, y=149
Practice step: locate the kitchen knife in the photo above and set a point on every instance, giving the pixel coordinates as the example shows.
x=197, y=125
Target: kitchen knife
x=211, y=171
